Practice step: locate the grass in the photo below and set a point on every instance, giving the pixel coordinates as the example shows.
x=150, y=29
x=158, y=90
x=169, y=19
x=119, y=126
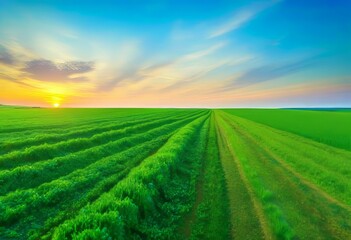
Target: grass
x=294, y=205
x=329, y=127
x=174, y=174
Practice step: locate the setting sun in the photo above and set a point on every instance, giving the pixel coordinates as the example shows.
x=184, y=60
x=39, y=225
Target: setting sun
x=56, y=105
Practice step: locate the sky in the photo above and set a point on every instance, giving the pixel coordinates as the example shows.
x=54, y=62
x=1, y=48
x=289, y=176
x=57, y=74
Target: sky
x=212, y=54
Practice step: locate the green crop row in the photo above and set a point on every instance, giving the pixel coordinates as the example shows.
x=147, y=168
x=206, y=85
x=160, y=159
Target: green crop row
x=48, y=199
x=47, y=151
x=116, y=214
x=57, y=195
x=86, y=131
x=28, y=123
x=29, y=176
x=18, y=120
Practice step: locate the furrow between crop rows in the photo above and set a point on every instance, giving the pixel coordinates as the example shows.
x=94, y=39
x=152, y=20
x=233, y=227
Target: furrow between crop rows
x=74, y=185
x=48, y=151
x=86, y=131
x=29, y=176
x=135, y=197
x=212, y=216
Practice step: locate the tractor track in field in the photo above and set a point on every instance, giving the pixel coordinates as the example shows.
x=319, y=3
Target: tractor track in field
x=293, y=172
x=309, y=205
x=305, y=181
x=310, y=143
x=232, y=167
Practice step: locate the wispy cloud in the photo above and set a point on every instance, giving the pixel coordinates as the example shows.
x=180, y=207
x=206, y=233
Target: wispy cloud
x=240, y=18
x=195, y=77
x=5, y=56
x=266, y=73
x=136, y=73
x=270, y=72
x=131, y=74
x=203, y=53
x=159, y=65
x=46, y=70
x=15, y=80
x=296, y=94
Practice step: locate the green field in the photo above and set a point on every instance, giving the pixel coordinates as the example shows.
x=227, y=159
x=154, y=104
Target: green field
x=330, y=127
x=174, y=174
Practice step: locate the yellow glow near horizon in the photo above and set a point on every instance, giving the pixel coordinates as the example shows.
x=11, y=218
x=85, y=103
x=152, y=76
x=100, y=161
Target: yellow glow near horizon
x=56, y=105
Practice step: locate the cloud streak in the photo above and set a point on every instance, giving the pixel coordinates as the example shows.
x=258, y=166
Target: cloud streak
x=130, y=74
x=266, y=73
x=14, y=80
x=240, y=18
x=6, y=57
x=134, y=74
x=46, y=70
x=269, y=72
x=187, y=81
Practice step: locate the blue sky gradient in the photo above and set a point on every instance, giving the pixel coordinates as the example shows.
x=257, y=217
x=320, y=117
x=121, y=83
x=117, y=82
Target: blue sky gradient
x=274, y=53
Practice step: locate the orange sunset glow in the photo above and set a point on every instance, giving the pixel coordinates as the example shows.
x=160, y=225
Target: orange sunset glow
x=171, y=59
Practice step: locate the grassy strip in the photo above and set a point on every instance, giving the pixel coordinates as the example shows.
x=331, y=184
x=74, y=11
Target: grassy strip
x=212, y=219
x=329, y=171
x=326, y=220
x=281, y=229
x=247, y=216
x=331, y=128
x=48, y=151
x=117, y=213
x=29, y=176
x=318, y=152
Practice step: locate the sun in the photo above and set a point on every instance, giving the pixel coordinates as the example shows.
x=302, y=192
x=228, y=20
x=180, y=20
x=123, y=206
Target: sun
x=56, y=105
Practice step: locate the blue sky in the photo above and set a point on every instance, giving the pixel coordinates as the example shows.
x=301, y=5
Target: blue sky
x=176, y=53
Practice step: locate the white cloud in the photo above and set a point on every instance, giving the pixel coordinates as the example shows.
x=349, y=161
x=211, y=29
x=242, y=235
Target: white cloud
x=239, y=19
x=205, y=52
